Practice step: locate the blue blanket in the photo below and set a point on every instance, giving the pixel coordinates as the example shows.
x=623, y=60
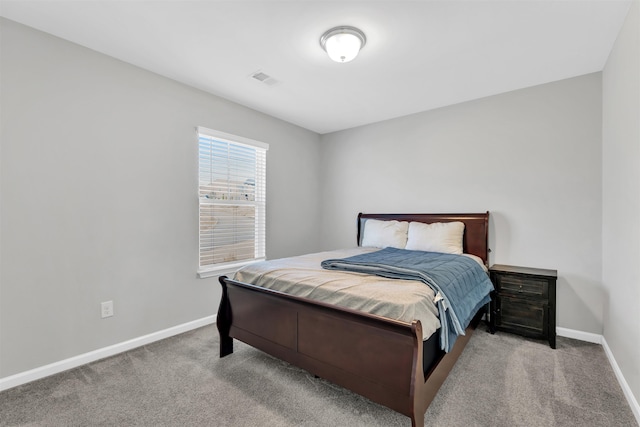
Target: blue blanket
x=460, y=284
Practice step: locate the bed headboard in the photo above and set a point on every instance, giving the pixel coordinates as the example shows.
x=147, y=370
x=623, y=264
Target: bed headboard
x=475, y=240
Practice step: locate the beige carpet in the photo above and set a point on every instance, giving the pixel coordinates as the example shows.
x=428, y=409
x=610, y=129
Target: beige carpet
x=500, y=380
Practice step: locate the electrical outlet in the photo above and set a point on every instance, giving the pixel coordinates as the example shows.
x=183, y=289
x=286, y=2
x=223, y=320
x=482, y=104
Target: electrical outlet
x=107, y=309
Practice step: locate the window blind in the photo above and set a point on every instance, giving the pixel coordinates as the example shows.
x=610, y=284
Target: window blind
x=232, y=194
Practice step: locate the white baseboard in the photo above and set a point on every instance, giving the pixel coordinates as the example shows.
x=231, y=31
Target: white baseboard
x=633, y=402
x=579, y=335
x=82, y=359
x=599, y=339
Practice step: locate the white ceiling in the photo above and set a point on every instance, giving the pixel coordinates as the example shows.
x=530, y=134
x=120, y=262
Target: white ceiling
x=419, y=55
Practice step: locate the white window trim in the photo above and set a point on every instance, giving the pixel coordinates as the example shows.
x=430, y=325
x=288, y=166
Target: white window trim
x=227, y=268
x=234, y=139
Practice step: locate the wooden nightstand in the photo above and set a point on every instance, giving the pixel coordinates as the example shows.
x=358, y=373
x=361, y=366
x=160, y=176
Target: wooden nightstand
x=524, y=301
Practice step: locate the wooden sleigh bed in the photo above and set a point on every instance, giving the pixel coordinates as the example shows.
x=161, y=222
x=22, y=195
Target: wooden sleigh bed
x=382, y=359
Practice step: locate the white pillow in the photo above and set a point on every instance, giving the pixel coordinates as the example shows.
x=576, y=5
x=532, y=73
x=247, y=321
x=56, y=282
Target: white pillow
x=382, y=234
x=445, y=237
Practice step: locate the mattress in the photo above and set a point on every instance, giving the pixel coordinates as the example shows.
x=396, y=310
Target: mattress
x=404, y=300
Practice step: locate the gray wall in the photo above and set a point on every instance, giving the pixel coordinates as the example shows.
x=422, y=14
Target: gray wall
x=98, y=185
x=621, y=200
x=531, y=157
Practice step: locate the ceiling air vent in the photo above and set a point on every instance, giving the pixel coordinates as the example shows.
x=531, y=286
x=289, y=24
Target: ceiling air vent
x=264, y=78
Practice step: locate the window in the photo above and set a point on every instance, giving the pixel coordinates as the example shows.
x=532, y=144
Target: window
x=232, y=193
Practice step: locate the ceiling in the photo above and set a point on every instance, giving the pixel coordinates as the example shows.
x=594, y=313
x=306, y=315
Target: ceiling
x=419, y=55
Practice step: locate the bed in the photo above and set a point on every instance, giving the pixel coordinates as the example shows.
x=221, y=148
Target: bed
x=388, y=361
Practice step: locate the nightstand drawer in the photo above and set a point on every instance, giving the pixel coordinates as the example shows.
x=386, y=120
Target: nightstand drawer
x=529, y=319
x=522, y=286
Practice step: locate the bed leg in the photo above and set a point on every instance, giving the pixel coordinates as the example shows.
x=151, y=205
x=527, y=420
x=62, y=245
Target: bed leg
x=226, y=346
x=417, y=420
x=223, y=321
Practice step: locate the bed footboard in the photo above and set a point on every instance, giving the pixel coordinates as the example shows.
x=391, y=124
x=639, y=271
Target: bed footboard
x=378, y=358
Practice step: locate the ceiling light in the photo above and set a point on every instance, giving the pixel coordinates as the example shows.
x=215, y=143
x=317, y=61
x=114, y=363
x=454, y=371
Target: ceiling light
x=342, y=44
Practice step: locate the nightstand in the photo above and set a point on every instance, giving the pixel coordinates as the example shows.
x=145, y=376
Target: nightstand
x=524, y=301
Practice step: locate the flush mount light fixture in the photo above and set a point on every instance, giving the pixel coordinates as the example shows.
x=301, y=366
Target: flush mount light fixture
x=343, y=43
